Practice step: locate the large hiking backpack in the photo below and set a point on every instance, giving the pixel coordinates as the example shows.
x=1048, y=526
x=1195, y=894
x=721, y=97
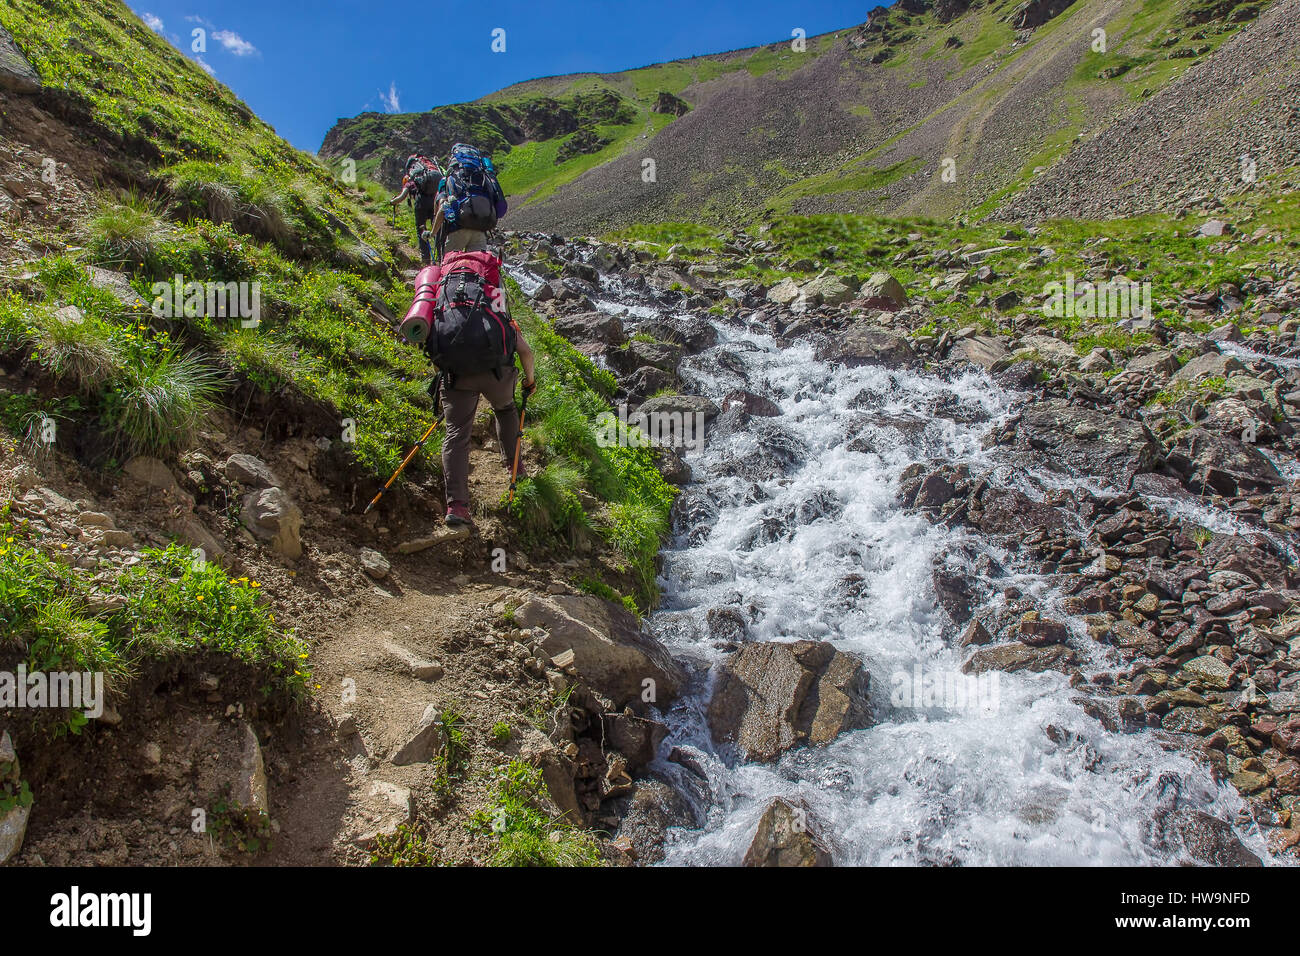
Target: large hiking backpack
x=471, y=330
x=473, y=197
x=424, y=174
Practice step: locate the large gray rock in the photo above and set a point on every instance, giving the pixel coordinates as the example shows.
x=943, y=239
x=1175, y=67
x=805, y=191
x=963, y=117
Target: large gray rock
x=1051, y=350
x=1017, y=656
x=1209, y=365
x=1089, y=441
x=786, y=836
x=686, y=405
x=647, y=812
x=982, y=350
x=661, y=355
x=693, y=335
x=424, y=740
x=867, y=344
x=786, y=292
x=1211, y=462
x=273, y=517
x=1200, y=837
x=250, y=471
x=16, y=73
x=827, y=290
x=1160, y=362
x=883, y=291
x=772, y=696
x=591, y=329
x=610, y=651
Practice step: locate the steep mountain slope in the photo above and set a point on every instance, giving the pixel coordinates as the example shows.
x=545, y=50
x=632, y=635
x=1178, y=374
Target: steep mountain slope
x=926, y=109
x=1225, y=125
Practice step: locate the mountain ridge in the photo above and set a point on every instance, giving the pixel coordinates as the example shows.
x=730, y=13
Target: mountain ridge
x=865, y=121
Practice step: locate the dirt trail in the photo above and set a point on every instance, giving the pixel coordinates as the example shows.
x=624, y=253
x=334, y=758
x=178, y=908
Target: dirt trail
x=430, y=633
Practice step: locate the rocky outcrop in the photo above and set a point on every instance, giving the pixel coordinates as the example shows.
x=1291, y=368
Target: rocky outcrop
x=13, y=823
x=610, y=651
x=1089, y=441
x=770, y=697
x=584, y=141
x=672, y=105
x=1034, y=13
x=16, y=73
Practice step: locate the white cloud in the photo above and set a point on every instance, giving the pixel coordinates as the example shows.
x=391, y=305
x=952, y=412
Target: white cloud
x=234, y=43
x=154, y=23
x=207, y=68
x=390, y=100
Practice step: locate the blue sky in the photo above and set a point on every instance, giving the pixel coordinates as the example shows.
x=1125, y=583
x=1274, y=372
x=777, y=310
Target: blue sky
x=302, y=65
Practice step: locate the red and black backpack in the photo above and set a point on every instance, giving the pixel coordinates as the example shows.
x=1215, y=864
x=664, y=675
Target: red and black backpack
x=471, y=330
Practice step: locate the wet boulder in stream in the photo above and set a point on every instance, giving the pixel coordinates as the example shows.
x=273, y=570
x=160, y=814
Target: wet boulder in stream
x=646, y=381
x=626, y=359
x=591, y=331
x=1088, y=441
x=693, y=335
x=866, y=344
x=786, y=837
x=1222, y=464
x=772, y=696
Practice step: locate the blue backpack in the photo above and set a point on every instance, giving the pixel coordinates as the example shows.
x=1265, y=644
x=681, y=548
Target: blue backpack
x=472, y=196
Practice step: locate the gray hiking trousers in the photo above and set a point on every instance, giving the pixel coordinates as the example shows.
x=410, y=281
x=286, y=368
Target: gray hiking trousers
x=460, y=404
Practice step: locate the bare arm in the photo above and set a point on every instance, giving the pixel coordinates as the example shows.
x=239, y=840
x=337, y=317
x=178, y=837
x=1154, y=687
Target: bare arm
x=406, y=190
x=525, y=355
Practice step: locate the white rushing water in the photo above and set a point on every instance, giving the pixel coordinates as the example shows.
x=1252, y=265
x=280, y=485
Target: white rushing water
x=797, y=525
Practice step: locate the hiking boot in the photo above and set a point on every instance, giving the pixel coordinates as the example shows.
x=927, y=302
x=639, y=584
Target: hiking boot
x=458, y=513
x=520, y=475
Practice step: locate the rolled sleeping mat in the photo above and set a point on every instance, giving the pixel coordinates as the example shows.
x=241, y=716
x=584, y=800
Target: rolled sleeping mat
x=415, y=327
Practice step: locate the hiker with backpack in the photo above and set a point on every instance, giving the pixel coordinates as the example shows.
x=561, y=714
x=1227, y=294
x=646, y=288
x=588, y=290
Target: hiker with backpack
x=420, y=182
x=470, y=202
x=472, y=340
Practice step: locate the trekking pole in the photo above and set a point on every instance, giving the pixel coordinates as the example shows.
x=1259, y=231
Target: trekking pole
x=519, y=444
x=405, y=461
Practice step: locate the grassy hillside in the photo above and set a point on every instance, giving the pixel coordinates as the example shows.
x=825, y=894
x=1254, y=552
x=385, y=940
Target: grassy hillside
x=184, y=181
x=532, y=157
